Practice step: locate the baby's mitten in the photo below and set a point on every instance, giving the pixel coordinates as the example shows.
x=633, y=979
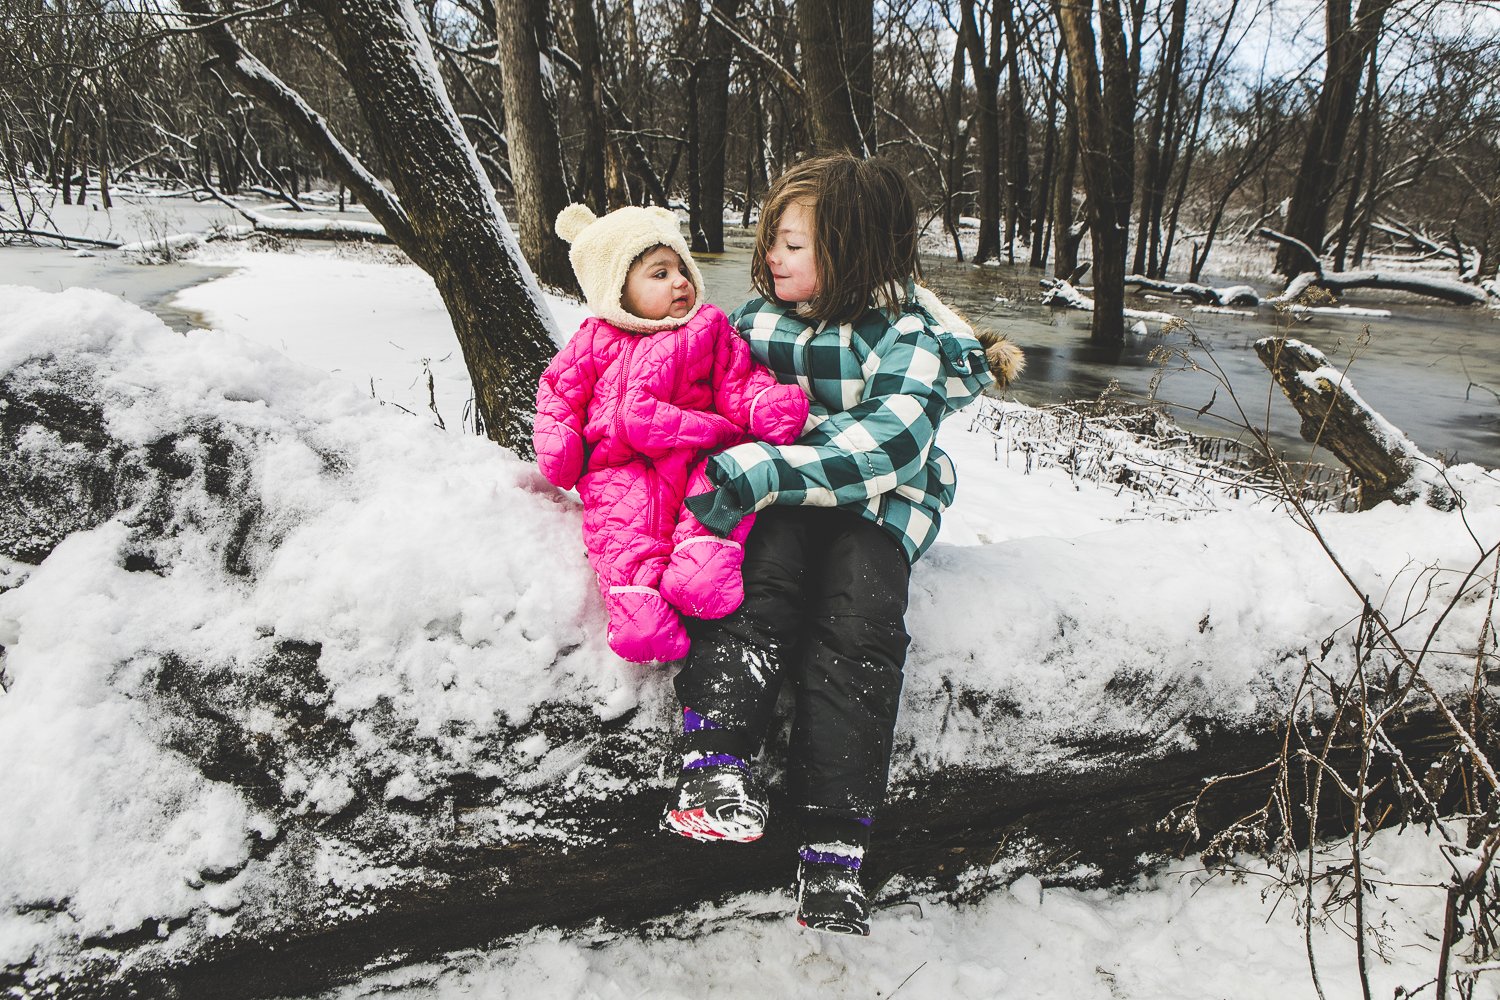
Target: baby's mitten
x=702, y=578
x=643, y=628
x=778, y=414
x=559, y=452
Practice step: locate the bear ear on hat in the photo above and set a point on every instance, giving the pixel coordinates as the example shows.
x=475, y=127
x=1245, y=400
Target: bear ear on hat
x=573, y=220
x=665, y=216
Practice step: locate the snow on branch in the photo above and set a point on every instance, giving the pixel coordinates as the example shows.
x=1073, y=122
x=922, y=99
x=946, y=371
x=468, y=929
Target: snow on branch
x=1446, y=289
x=1387, y=463
x=1062, y=295
x=310, y=126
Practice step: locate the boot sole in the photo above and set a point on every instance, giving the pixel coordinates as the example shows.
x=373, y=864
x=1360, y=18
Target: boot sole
x=698, y=824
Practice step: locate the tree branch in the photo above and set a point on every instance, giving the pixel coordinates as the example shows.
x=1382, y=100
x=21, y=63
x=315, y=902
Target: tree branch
x=310, y=127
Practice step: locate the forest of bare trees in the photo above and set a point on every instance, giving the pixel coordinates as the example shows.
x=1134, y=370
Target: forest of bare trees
x=1133, y=136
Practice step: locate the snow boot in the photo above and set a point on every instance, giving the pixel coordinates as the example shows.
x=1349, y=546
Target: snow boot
x=830, y=897
x=717, y=799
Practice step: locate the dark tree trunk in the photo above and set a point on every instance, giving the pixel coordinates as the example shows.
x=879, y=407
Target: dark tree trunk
x=713, y=128
x=1361, y=160
x=838, y=56
x=1062, y=201
x=1017, y=138
x=1191, y=152
x=958, y=145
x=1104, y=99
x=1348, y=45
x=591, y=189
x=985, y=62
x=1160, y=148
x=1046, y=191
x=536, y=166
x=445, y=219
x=104, y=158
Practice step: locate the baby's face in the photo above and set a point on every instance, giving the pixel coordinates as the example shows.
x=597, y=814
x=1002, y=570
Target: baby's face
x=658, y=286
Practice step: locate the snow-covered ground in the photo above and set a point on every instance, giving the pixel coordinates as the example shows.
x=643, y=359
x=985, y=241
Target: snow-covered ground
x=1184, y=934
x=309, y=336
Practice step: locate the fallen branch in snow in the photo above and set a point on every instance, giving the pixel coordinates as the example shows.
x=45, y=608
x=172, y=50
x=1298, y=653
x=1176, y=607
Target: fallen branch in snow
x=63, y=238
x=1061, y=294
x=1234, y=295
x=1384, y=460
x=309, y=229
x=1446, y=289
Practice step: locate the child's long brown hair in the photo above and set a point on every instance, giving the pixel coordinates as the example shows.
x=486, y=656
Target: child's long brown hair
x=864, y=234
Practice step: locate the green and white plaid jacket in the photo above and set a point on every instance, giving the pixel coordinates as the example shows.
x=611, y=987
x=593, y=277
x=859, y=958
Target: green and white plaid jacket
x=879, y=389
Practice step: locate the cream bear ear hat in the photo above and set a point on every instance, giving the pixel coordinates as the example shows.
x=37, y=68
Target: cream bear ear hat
x=604, y=248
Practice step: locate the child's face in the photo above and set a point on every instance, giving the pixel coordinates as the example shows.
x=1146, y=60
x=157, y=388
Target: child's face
x=659, y=286
x=790, y=259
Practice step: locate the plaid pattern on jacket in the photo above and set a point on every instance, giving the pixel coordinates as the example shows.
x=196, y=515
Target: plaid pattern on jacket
x=879, y=389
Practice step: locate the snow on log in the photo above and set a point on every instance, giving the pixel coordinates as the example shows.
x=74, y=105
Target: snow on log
x=1446, y=289
x=293, y=687
x=1061, y=294
x=1233, y=295
x=319, y=229
x=1388, y=465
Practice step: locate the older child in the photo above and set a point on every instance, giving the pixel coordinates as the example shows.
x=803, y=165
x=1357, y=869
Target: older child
x=845, y=511
x=648, y=386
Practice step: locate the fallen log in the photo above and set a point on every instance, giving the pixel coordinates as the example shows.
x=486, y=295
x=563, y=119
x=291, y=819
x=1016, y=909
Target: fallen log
x=355, y=826
x=1234, y=295
x=62, y=238
x=1316, y=275
x=1386, y=463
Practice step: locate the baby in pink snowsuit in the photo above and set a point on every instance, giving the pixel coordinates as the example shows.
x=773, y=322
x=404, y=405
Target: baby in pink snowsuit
x=650, y=385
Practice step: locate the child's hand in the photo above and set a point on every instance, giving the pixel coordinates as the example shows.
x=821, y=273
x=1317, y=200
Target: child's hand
x=778, y=413
x=559, y=453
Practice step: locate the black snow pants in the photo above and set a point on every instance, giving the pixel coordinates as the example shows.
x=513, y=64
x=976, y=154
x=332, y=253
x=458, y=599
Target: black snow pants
x=825, y=599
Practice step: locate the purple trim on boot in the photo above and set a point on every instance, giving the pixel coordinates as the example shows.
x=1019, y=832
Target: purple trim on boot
x=864, y=820
x=692, y=721
x=717, y=759
x=822, y=858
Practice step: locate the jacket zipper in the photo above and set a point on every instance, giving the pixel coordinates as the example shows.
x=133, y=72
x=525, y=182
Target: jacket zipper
x=620, y=384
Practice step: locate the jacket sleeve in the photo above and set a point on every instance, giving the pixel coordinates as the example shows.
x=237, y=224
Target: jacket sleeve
x=562, y=402
x=856, y=454
x=749, y=395
x=655, y=427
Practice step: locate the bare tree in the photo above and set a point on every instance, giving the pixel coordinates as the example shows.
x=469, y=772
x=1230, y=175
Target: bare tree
x=523, y=29
x=1103, y=77
x=1348, y=44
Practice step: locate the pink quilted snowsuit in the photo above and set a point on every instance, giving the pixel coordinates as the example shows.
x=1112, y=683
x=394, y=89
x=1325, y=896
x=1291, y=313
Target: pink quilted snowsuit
x=628, y=418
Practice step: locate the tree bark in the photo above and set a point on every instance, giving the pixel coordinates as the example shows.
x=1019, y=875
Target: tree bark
x=985, y=62
x=591, y=186
x=1017, y=137
x=958, y=144
x=523, y=30
x=838, y=55
x=1161, y=148
x=1383, y=460
x=1102, y=75
x=1348, y=44
x=1065, y=243
x=713, y=127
